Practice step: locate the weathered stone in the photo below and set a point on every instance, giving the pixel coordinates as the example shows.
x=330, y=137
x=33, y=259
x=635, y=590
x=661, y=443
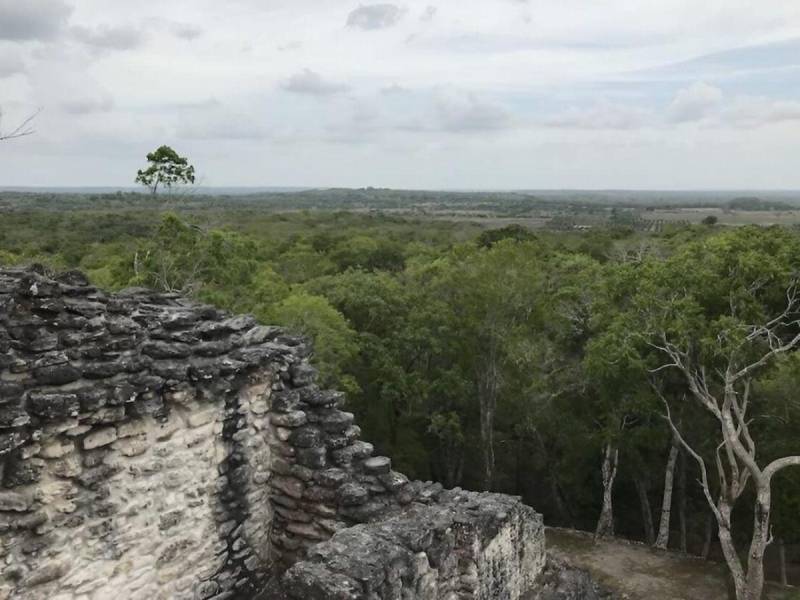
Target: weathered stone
x=56, y=448
x=57, y=374
x=160, y=349
x=306, y=437
x=15, y=501
x=331, y=477
x=45, y=574
x=351, y=494
x=53, y=405
x=285, y=401
x=10, y=390
x=294, y=418
x=313, y=458
x=290, y=486
x=192, y=455
x=13, y=416
x=100, y=437
x=303, y=374
x=377, y=465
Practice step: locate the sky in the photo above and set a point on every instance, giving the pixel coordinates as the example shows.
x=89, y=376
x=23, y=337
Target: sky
x=436, y=94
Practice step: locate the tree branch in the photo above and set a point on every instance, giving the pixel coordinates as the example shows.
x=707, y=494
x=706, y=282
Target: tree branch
x=779, y=464
x=23, y=129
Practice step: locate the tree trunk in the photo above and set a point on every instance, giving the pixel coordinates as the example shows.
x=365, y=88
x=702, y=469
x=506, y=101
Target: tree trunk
x=647, y=514
x=754, y=584
x=605, y=524
x=729, y=551
x=666, y=505
x=782, y=562
x=682, y=500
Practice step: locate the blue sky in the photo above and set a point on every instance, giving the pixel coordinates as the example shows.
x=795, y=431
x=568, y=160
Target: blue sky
x=666, y=94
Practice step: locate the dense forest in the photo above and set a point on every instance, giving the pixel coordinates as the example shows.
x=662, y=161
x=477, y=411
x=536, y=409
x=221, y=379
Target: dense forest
x=641, y=384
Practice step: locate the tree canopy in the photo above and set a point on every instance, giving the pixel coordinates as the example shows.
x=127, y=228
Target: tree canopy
x=166, y=169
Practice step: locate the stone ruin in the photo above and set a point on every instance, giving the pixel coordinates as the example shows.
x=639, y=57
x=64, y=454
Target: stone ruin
x=153, y=448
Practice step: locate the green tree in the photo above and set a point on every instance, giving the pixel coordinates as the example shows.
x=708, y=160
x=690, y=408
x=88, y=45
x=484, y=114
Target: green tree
x=335, y=343
x=167, y=169
x=491, y=297
x=721, y=313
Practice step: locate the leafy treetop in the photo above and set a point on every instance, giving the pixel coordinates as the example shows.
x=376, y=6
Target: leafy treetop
x=167, y=168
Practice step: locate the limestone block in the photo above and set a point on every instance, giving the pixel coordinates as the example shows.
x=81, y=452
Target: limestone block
x=56, y=448
x=200, y=418
x=295, y=418
x=288, y=485
x=377, y=465
x=100, y=437
x=15, y=501
x=133, y=428
x=131, y=446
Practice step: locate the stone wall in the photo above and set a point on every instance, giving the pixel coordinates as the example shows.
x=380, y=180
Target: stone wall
x=463, y=545
x=154, y=448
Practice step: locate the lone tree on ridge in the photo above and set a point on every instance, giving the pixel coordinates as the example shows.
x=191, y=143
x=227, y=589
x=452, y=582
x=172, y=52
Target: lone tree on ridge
x=167, y=168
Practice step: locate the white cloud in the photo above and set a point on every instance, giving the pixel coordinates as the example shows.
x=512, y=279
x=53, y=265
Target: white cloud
x=374, y=16
x=23, y=20
x=220, y=123
x=10, y=64
x=123, y=37
x=469, y=113
x=602, y=116
x=759, y=111
x=429, y=92
x=429, y=14
x=86, y=104
x=312, y=83
x=696, y=102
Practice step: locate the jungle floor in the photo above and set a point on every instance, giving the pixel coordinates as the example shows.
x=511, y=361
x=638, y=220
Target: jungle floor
x=638, y=572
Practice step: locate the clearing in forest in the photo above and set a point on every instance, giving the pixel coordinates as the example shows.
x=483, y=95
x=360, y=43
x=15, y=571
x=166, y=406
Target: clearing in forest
x=639, y=572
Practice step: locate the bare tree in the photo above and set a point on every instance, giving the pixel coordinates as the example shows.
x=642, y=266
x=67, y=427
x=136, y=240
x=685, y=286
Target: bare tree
x=725, y=394
x=662, y=541
x=605, y=524
x=23, y=129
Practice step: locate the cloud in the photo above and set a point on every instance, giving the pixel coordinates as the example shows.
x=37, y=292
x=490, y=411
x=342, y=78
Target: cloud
x=465, y=113
x=220, y=123
x=393, y=89
x=24, y=20
x=749, y=112
x=732, y=62
x=123, y=37
x=312, y=83
x=428, y=14
x=10, y=64
x=694, y=103
x=88, y=105
x=186, y=31
x=374, y=16
x=602, y=116
x=288, y=46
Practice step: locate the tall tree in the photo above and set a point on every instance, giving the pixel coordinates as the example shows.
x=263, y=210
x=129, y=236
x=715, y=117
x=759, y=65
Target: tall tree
x=166, y=169
x=721, y=313
x=492, y=295
x=662, y=541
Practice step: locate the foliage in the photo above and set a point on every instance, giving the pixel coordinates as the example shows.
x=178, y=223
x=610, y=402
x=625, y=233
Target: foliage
x=167, y=169
x=428, y=323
